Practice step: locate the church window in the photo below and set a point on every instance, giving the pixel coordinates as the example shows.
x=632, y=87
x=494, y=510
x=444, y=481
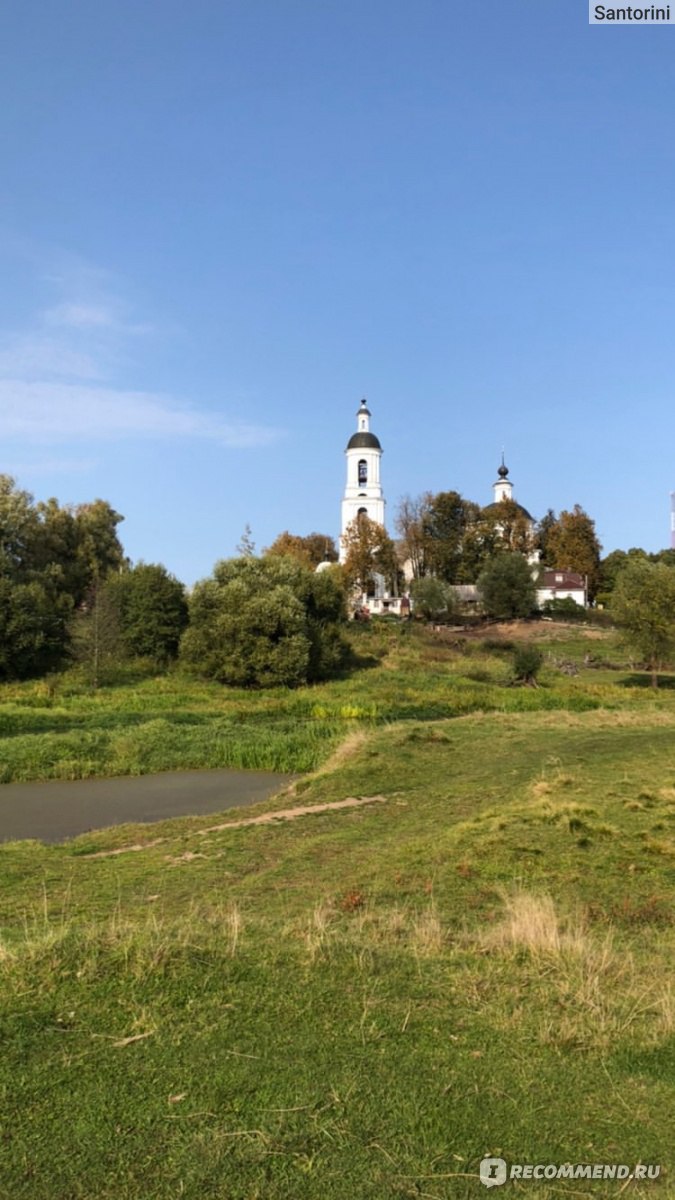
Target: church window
x=363, y=512
x=363, y=472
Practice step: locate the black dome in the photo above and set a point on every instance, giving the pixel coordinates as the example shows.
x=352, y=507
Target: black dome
x=363, y=441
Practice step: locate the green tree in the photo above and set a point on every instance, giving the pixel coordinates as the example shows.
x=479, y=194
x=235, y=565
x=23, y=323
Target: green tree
x=433, y=598
x=511, y=528
x=265, y=622
x=544, y=527
x=480, y=543
x=507, y=587
x=33, y=628
x=246, y=546
x=96, y=642
x=445, y=523
x=152, y=608
x=98, y=550
x=18, y=529
x=310, y=549
x=643, y=606
x=411, y=523
x=613, y=564
x=572, y=545
x=369, y=551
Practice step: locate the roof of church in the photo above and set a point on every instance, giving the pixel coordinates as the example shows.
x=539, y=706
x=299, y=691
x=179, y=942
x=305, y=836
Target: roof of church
x=495, y=508
x=363, y=441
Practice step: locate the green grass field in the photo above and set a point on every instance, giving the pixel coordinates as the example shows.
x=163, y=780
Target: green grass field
x=357, y=1003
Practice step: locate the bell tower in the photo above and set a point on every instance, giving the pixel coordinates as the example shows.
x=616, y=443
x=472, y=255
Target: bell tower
x=363, y=491
x=503, y=488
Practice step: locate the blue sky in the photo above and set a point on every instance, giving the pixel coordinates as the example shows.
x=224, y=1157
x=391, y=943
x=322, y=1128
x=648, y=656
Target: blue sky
x=223, y=223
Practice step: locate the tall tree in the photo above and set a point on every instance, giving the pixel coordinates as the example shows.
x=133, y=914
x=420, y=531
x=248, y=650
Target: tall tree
x=643, y=605
x=511, y=526
x=369, y=551
x=613, y=564
x=573, y=546
x=544, y=527
x=310, y=549
x=152, y=609
x=96, y=633
x=33, y=628
x=18, y=529
x=445, y=525
x=507, y=587
x=410, y=524
x=99, y=550
x=246, y=545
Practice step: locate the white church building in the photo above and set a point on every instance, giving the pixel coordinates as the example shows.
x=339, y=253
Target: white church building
x=364, y=495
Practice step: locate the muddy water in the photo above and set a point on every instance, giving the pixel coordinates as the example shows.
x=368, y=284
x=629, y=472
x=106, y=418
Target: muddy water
x=54, y=811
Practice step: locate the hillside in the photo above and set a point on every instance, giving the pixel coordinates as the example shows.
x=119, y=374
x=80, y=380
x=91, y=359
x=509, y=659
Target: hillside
x=359, y=1001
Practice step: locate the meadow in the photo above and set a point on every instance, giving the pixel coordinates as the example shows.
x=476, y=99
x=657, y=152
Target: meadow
x=357, y=1002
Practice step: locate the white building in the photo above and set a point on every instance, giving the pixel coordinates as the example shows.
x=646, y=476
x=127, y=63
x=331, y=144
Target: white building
x=364, y=496
x=562, y=585
x=363, y=491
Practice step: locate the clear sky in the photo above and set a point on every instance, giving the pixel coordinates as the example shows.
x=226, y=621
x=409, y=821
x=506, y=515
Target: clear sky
x=223, y=222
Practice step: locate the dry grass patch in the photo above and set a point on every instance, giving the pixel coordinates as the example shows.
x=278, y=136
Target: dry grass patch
x=531, y=923
x=601, y=993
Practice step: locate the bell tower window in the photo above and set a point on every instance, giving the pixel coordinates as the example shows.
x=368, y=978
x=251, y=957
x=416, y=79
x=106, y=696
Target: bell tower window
x=363, y=472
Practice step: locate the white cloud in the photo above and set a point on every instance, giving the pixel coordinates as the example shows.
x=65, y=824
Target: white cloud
x=33, y=356
x=49, y=466
x=46, y=411
x=83, y=316
x=57, y=376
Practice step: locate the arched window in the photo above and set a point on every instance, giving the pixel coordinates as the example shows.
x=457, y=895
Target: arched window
x=362, y=512
x=363, y=472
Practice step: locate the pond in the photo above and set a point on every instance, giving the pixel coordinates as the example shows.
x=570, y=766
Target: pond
x=55, y=810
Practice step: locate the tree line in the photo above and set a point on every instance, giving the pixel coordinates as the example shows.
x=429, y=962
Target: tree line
x=69, y=594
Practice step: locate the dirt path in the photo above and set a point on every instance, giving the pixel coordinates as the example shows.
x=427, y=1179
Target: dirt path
x=281, y=814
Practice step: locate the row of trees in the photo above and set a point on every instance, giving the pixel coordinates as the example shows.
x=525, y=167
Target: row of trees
x=68, y=593
x=453, y=539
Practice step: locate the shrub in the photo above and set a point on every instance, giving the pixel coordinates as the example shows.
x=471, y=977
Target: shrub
x=564, y=608
x=265, y=622
x=433, y=598
x=527, y=662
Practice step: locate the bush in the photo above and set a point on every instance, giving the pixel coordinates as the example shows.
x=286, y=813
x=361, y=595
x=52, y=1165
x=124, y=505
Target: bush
x=527, y=662
x=266, y=622
x=433, y=598
x=564, y=608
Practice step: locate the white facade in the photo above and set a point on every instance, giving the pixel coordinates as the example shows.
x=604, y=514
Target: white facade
x=363, y=490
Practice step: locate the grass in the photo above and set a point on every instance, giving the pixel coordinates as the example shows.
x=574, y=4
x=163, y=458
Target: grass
x=62, y=729
x=359, y=1003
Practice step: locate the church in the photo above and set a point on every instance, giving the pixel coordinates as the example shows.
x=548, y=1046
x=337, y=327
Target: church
x=364, y=496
